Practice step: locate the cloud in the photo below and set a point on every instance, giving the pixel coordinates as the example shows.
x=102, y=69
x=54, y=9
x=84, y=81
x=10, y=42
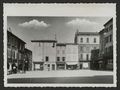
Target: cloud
x=34, y=24
x=78, y=21
x=84, y=25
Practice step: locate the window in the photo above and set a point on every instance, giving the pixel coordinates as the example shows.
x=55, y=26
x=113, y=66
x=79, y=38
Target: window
x=87, y=57
x=48, y=65
x=94, y=40
x=81, y=48
x=110, y=38
x=81, y=40
x=87, y=40
x=58, y=58
x=81, y=56
x=47, y=59
x=63, y=58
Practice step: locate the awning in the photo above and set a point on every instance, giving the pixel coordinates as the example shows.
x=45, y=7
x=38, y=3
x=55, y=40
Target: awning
x=71, y=63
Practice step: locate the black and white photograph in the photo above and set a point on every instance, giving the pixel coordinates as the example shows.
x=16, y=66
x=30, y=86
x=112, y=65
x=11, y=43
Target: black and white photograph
x=60, y=45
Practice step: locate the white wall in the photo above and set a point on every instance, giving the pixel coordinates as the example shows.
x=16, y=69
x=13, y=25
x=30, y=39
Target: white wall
x=72, y=53
x=43, y=50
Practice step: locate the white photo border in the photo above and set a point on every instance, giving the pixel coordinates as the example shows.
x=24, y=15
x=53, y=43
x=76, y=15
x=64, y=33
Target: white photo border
x=70, y=9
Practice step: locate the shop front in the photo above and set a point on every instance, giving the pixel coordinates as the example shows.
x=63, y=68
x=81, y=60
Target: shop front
x=38, y=66
x=60, y=65
x=72, y=65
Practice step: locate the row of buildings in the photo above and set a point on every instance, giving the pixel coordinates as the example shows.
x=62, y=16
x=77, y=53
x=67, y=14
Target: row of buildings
x=90, y=50
x=51, y=55
x=17, y=55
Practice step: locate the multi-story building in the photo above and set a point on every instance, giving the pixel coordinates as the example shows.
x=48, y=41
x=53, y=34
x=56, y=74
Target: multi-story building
x=72, y=56
x=106, y=46
x=15, y=52
x=94, y=59
x=28, y=59
x=87, y=41
x=61, y=56
x=44, y=54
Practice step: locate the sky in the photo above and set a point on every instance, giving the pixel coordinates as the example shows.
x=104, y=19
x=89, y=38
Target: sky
x=45, y=28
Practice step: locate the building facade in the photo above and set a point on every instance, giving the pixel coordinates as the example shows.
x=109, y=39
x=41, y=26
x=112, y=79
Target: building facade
x=94, y=65
x=61, y=56
x=106, y=46
x=44, y=56
x=87, y=41
x=72, y=56
x=15, y=52
x=28, y=59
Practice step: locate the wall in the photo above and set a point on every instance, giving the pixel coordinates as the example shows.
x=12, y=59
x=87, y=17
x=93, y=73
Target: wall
x=72, y=53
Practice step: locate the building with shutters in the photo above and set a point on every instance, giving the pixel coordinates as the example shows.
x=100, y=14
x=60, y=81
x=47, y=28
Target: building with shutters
x=61, y=56
x=106, y=46
x=72, y=56
x=44, y=54
x=86, y=41
x=28, y=60
x=15, y=52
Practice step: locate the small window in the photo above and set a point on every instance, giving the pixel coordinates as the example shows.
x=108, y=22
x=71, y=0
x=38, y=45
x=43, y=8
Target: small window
x=87, y=40
x=81, y=48
x=81, y=40
x=47, y=59
x=87, y=57
x=58, y=58
x=81, y=56
x=94, y=40
x=63, y=58
x=48, y=65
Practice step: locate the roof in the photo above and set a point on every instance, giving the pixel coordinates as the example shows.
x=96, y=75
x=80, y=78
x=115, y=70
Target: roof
x=87, y=33
x=28, y=50
x=102, y=31
x=49, y=41
x=61, y=44
x=108, y=21
x=16, y=36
